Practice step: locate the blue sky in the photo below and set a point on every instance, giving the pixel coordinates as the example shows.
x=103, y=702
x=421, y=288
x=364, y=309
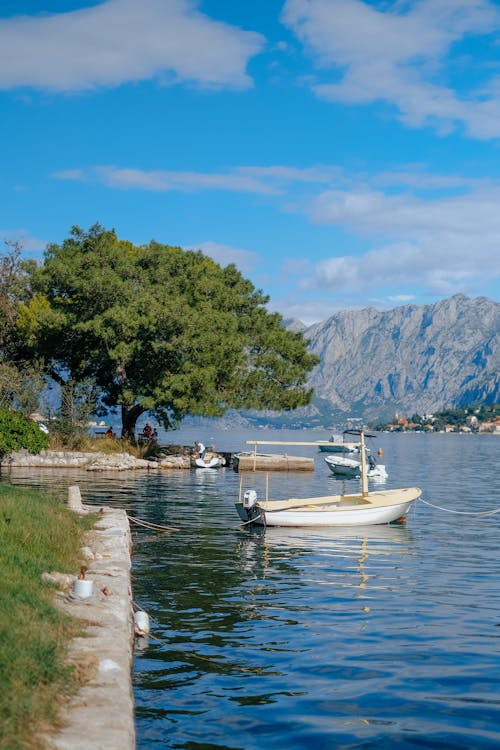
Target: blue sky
x=343, y=153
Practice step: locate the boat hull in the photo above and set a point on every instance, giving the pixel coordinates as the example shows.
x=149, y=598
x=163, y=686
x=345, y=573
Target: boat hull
x=336, y=449
x=354, y=510
x=213, y=463
x=351, y=469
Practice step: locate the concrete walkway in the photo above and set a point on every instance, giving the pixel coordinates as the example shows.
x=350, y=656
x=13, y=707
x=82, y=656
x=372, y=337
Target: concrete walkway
x=101, y=714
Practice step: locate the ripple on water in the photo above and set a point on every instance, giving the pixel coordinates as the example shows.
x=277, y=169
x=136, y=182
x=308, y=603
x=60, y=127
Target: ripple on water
x=366, y=638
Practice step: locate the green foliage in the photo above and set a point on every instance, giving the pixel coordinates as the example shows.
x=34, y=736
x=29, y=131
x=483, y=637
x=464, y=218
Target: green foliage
x=16, y=432
x=20, y=375
x=164, y=330
x=10, y=383
x=21, y=386
x=37, y=534
x=78, y=402
x=10, y=273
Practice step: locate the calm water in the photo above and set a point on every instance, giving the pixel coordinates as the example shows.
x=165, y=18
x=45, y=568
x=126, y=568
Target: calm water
x=378, y=637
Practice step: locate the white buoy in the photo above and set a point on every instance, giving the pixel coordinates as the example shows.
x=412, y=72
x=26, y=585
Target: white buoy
x=83, y=588
x=141, y=620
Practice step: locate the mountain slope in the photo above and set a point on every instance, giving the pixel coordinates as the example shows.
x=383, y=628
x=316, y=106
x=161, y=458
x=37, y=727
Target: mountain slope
x=409, y=359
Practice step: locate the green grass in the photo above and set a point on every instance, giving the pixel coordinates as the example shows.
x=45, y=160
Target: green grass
x=84, y=442
x=37, y=534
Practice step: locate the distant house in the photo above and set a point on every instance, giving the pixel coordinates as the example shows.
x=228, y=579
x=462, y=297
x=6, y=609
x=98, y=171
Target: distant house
x=489, y=426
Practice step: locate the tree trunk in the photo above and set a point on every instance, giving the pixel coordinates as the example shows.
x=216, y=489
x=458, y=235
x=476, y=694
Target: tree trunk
x=130, y=415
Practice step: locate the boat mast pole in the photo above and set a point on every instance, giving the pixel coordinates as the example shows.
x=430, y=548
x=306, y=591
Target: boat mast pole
x=364, y=475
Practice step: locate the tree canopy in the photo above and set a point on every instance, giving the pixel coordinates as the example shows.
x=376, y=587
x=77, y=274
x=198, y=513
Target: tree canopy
x=162, y=330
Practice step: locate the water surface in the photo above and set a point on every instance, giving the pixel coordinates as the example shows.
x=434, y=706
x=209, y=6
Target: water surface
x=289, y=638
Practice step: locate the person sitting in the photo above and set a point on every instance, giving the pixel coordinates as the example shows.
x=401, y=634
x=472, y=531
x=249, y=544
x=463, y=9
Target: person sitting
x=199, y=449
x=109, y=433
x=147, y=431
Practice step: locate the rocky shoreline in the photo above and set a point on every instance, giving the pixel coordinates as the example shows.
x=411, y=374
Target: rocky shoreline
x=101, y=713
x=92, y=461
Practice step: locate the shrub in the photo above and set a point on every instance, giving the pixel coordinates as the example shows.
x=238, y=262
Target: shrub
x=17, y=431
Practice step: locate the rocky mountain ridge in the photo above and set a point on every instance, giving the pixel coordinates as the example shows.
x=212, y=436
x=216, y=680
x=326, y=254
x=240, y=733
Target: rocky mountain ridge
x=411, y=359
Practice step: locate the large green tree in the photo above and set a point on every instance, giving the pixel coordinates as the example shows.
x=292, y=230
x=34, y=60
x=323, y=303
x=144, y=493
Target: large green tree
x=163, y=330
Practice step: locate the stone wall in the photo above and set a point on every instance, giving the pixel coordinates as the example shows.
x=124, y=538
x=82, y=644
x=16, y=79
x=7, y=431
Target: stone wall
x=92, y=461
x=101, y=713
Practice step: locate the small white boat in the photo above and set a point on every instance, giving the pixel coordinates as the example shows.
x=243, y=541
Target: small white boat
x=336, y=444
x=349, y=468
x=210, y=461
x=383, y=506
x=357, y=509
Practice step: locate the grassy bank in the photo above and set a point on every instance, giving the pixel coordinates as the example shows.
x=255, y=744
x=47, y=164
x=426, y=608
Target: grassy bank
x=37, y=534
x=83, y=442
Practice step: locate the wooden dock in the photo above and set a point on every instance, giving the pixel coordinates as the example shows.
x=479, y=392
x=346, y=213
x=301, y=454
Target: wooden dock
x=253, y=461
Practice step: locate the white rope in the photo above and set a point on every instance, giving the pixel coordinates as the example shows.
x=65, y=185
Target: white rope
x=463, y=512
x=148, y=525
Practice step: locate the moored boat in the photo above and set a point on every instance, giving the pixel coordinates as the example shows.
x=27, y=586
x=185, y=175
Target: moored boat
x=336, y=448
x=338, y=444
x=383, y=506
x=350, y=468
x=356, y=509
x=210, y=461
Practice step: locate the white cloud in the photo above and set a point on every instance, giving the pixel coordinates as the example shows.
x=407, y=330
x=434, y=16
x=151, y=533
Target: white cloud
x=72, y=175
x=245, y=260
x=434, y=233
x=441, y=245
x=117, y=41
x=313, y=310
x=266, y=180
x=164, y=180
x=473, y=214
x=396, y=55
x=33, y=246
x=287, y=174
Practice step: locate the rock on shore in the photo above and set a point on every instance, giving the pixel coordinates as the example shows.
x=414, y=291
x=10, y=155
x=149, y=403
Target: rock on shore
x=91, y=461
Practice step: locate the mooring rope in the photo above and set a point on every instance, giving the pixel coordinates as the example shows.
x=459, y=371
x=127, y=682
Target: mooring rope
x=462, y=512
x=149, y=525
x=250, y=520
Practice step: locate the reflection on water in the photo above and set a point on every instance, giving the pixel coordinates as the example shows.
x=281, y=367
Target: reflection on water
x=373, y=637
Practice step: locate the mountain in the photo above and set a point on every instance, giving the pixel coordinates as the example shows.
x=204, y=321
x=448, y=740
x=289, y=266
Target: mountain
x=412, y=359
x=374, y=364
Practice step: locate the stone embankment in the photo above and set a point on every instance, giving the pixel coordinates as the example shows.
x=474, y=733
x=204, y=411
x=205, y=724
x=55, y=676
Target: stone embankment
x=96, y=461
x=101, y=714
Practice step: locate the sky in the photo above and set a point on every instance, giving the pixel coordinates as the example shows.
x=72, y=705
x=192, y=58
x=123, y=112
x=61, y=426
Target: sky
x=343, y=154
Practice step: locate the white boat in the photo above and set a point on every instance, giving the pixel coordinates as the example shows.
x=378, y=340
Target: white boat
x=210, y=461
x=348, y=467
x=383, y=506
x=357, y=509
x=336, y=444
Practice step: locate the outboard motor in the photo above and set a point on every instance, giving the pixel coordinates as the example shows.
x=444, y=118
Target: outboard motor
x=249, y=499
